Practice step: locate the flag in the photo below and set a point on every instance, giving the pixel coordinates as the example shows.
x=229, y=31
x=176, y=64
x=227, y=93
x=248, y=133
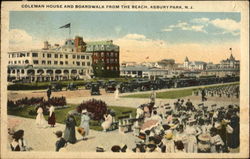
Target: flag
x=65, y=26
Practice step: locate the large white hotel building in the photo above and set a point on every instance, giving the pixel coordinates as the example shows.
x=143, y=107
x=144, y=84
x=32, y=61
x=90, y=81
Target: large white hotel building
x=50, y=63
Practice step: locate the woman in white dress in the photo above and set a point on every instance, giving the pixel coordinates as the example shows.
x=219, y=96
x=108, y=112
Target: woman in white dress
x=169, y=142
x=116, y=94
x=40, y=121
x=108, y=121
x=192, y=131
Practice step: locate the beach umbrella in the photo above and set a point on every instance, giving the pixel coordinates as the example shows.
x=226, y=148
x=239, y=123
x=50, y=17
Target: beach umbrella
x=148, y=125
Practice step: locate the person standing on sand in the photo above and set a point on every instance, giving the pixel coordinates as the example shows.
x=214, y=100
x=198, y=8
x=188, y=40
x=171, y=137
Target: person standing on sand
x=85, y=123
x=61, y=143
x=116, y=94
x=108, y=121
x=49, y=93
x=40, y=121
x=69, y=132
x=52, y=117
x=153, y=97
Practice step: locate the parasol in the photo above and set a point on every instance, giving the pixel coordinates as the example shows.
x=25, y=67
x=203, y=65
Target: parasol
x=148, y=125
x=204, y=137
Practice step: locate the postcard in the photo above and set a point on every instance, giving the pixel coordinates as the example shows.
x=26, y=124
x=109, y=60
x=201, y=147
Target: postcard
x=127, y=79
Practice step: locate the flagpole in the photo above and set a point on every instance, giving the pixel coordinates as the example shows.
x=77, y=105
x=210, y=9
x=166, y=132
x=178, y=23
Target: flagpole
x=69, y=32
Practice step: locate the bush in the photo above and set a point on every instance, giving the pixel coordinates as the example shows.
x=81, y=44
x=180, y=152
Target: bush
x=97, y=107
x=11, y=104
x=31, y=101
x=32, y=112
x=57, y=101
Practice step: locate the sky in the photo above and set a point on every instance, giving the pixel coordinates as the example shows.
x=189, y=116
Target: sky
x=201, y=36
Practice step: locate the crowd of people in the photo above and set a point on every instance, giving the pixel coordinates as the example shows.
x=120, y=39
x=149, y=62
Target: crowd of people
x=223, y=91
x=187, y=128
x=181, y=127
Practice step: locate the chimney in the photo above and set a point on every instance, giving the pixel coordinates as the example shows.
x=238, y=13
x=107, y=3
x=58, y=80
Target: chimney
x=46, y=45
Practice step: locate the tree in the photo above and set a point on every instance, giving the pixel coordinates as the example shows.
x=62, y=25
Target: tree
x=98, y=69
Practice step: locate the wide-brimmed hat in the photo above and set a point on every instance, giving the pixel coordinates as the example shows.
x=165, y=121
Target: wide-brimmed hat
x=58, y=133
x=84, y=111
x=168, y=134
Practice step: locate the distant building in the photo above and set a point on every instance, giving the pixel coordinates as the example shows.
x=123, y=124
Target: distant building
x=142, y=71
x=230, y=66
x=129, y=63
x=211, y=65
x=105, y=58
x=50, y=63
x=221, y=72
x=166, y=64
x=230, y=63
x=194, y=65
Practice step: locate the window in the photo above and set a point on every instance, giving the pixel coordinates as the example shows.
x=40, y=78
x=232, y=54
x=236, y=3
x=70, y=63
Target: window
x=102, y=54
x=55, y=62
x=26, y=61
x=78, y=56
x=22, y=71
x=43, y=55
x=66, y=56
x=73, y=62
x=17, y=55
x=49, y=56
x=88, y=63
x=35, y=62
x=111, y=54
x=66, y=63
x=19, y=62
x=14, y=62
x=56, y=55
x=34, y=54
x=13, y=71
x=61, y=56
x=49, y=62
x=61, y=62
x=74, y=56
x=83, y=63
x=43, y=62
x=78, y=63
x=87, y=57
x=115, y=54
x=82, y=57
x=22, y=55
x=28, y=54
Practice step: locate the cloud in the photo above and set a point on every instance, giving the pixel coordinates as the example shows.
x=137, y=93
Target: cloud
x=18, y=36
x=185, y=26
x=21, y=40
x=133, y=49
x=167, y=29
x=200, y=20
x=135, y=36
x=229, y=25
x=198, y=28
